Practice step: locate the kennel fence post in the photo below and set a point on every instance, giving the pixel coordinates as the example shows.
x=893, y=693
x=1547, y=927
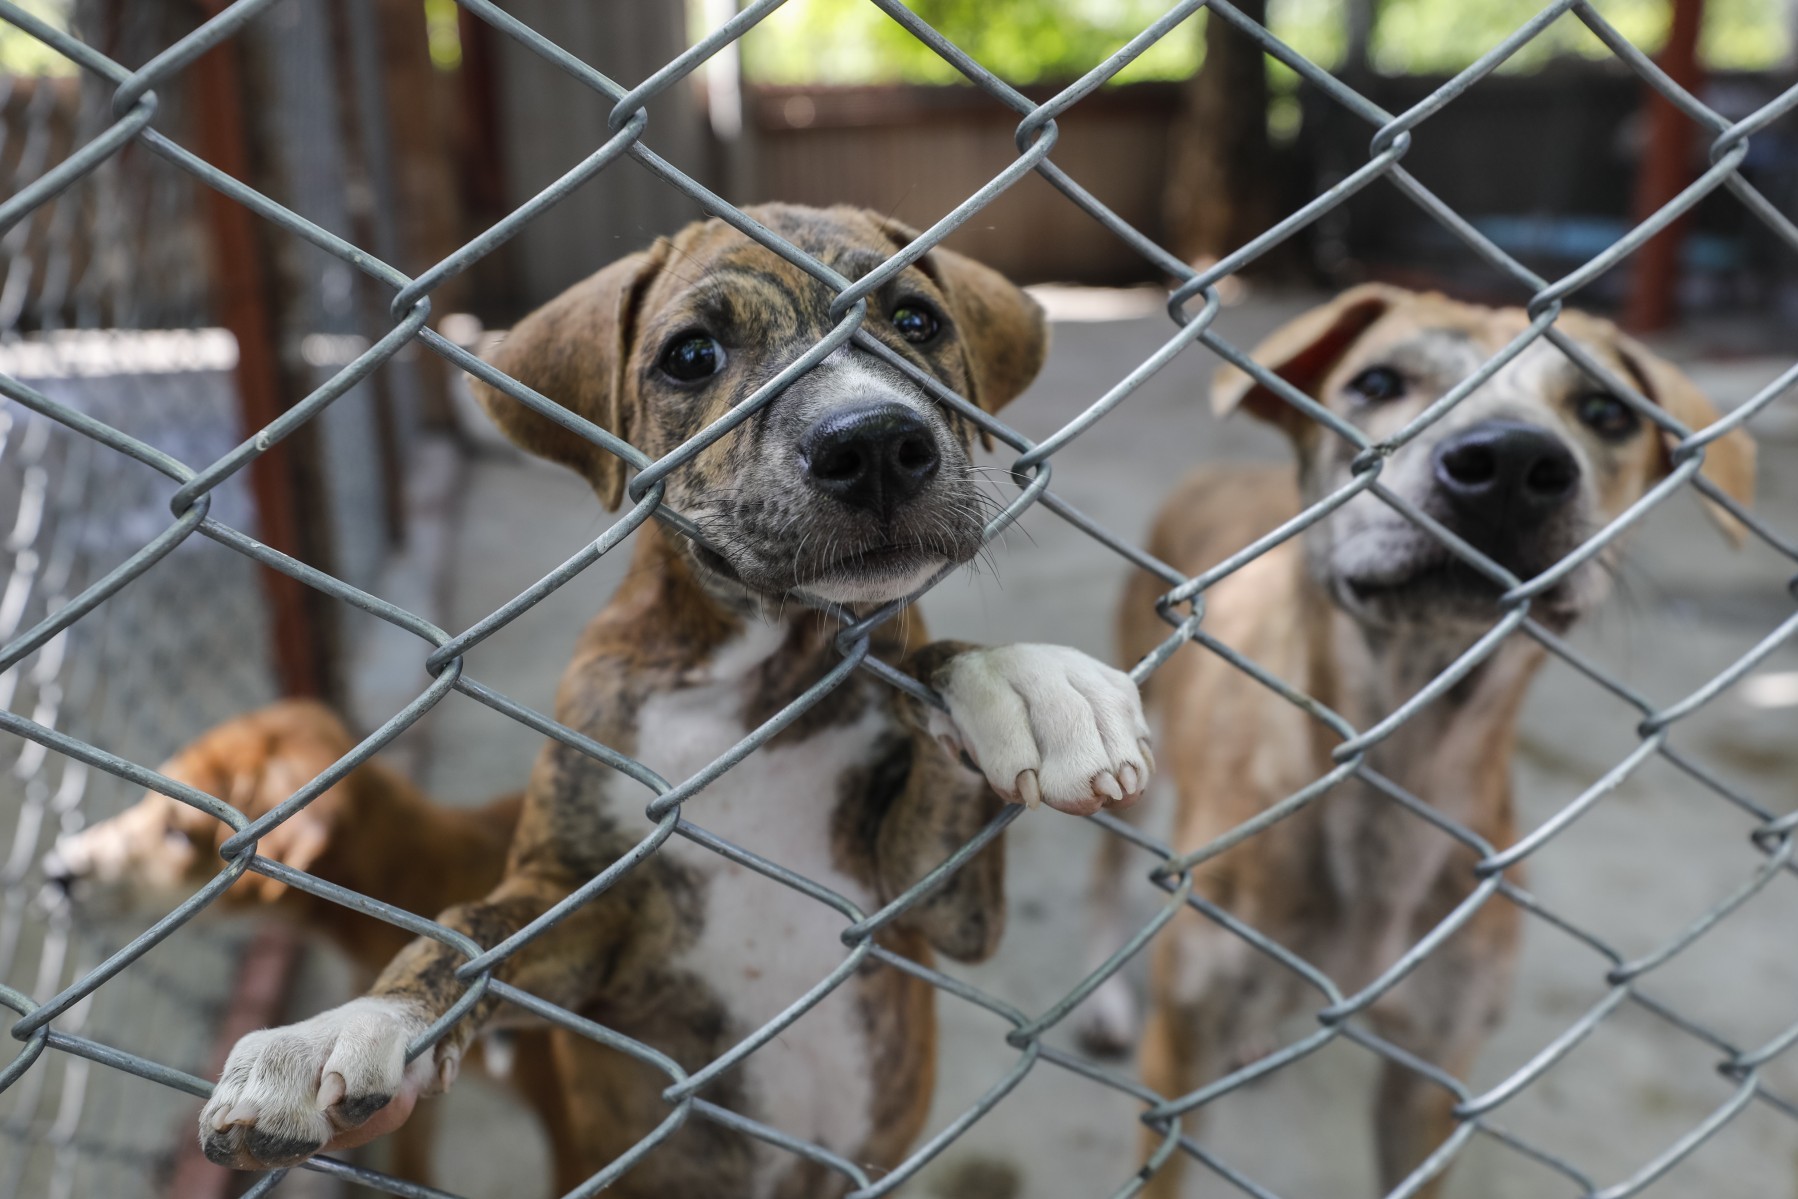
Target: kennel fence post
x=1666, y=167
x=241, y=301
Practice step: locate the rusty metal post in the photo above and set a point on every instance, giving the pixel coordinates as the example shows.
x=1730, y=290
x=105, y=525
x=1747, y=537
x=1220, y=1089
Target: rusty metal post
x=242, y=302
x=1666, y=168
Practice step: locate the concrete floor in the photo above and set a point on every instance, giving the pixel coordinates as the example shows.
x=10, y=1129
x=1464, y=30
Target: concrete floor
x=1642, y=865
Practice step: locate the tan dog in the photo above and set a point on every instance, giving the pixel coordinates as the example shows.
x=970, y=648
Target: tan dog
x=373, y=833
x=1360, y=613
x=854, y=486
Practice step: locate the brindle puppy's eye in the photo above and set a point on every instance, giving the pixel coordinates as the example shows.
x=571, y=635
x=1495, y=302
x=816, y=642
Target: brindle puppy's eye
x=916, y=322
x=1378, y=384
x=692, y=357
x=1606, y=415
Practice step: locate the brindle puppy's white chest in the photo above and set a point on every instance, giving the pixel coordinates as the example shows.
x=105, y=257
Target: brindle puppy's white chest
x=763, y=945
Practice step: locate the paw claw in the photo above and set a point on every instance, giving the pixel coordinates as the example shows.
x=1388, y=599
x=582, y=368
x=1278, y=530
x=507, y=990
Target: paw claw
x=1148, y=752
x=1029, y=788
x=330, y=1090
x=1047, y=725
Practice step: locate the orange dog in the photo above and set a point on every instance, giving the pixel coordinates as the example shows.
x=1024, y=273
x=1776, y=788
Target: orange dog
x=374, y=832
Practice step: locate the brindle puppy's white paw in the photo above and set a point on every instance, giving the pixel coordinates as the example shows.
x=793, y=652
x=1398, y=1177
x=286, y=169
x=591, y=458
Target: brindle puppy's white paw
x=285, y=1093
x=1047, y=724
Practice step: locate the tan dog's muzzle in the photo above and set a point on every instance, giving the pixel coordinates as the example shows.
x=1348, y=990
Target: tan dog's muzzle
x=1524, y=469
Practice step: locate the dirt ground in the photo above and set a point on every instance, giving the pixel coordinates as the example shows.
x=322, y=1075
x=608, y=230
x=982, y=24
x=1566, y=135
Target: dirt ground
x=1644, y=864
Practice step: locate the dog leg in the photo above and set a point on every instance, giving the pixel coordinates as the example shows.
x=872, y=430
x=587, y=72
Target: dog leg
x=1215, y=1004
x=341, y=1078
x=1442, y=1014
x=1107, y=1023
x=1173, y=1060
x=940, y=809
x=1043, y=724
x=1182, y=1039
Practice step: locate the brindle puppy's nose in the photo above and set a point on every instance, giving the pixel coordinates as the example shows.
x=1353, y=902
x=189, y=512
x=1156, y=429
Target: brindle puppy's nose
x=1507, y=471
x=873, y=456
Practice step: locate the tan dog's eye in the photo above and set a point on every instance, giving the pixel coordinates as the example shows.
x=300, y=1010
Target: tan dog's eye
x=1378, y=384
x=1606, y=415
x=916, y=322
x=692, y=357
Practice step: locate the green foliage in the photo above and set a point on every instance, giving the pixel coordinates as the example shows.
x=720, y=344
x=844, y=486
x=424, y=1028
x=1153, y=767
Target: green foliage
x=851, y=41
x=1027, y=41
x=1430, y=37
x=22, y=54
x=442, y=34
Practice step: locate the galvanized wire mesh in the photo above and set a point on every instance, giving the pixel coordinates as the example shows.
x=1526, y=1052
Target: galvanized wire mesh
x=46, y=1029
x=101, y=293
x=72, y=511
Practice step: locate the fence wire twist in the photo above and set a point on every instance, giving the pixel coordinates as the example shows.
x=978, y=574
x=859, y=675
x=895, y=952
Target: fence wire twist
x=1192, y=306
x=103, y=680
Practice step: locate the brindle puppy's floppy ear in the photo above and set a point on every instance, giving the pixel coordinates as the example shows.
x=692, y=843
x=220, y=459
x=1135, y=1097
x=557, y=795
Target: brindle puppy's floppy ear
x=575, y=350
x=1728, y=461
x=1003, y=331
x=1302, y=351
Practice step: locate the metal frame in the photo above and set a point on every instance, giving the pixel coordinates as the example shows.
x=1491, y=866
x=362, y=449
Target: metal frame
x=1192, y=306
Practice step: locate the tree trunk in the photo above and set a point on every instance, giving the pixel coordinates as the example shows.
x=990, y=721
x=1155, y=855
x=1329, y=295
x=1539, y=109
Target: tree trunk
x=1219, y=189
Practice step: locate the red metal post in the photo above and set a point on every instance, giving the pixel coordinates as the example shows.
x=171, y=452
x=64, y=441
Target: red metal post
x=243, y=308
x=1666, y=168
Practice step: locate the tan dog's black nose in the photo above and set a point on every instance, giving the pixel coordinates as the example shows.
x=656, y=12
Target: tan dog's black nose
x=1509, y=471
x=58, y=872
x=874, y=456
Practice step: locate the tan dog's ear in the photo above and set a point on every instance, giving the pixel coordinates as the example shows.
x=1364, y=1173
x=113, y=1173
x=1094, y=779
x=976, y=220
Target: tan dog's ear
x=1003, y=330
x=575, y=350
x=1302, y=351
x=1728, y=461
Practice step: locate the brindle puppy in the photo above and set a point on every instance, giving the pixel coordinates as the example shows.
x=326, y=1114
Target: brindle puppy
x=852, y=486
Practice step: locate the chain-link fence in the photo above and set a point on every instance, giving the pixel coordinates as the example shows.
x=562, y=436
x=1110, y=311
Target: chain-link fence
x=74, y=515
x=48, y=1030
x=101, y=305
